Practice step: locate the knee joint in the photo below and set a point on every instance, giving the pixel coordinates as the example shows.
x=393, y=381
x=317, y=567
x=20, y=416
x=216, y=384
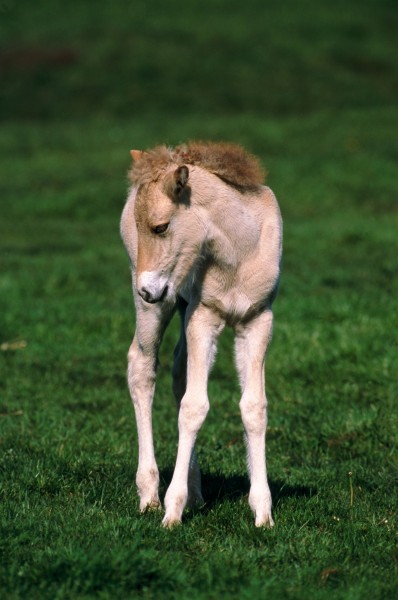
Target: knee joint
x=254, y=414
x=140, y=370
x=193, y=413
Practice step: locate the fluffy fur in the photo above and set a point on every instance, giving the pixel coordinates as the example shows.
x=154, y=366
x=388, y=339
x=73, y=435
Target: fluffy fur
x=216, y=259
x=230, y=162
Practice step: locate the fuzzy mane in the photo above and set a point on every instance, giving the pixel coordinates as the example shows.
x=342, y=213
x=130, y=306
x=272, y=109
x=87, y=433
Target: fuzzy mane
x=230, y=162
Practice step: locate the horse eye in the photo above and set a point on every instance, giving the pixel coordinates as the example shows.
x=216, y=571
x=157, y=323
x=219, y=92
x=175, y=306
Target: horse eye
x=160, y=228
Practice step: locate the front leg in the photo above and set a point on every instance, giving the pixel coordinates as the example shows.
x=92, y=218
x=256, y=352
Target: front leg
x=202, y=329
x=250, y=347
x=195, y=497
x=142, y=361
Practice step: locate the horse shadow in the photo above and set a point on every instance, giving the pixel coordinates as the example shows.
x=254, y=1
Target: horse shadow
x=218, y=488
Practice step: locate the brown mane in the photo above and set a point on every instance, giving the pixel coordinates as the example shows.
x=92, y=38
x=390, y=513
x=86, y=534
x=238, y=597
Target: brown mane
x=228, y=161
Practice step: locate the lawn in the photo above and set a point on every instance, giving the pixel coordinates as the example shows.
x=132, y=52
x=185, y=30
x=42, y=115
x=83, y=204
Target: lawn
x=310, y=88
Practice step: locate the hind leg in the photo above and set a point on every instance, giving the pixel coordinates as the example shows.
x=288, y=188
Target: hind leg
x=195, y=497
x=250, y=347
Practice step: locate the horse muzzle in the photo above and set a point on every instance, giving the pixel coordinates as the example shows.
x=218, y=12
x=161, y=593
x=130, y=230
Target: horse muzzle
x=152, y=287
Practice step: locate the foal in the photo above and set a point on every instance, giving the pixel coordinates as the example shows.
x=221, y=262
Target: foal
x=204, y=238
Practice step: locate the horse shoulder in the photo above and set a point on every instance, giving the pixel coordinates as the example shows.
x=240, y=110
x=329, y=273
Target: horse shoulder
x=259, y=274
x=272, y=231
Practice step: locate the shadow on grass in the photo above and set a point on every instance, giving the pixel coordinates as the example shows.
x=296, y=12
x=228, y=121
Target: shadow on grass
x=218, y=489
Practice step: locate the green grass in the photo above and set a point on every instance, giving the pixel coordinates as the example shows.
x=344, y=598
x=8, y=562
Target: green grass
x=310, y=89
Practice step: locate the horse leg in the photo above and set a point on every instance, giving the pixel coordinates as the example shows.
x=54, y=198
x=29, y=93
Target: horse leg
x=250, y=347
x=195, y=497
x=202, y=329
x=142, y=362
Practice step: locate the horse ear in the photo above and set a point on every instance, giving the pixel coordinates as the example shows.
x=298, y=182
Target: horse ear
x=175, y=183
x=180, y=179
x=136, y=154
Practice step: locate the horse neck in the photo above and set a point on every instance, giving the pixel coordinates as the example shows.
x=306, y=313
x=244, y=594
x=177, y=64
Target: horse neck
x=232, y=219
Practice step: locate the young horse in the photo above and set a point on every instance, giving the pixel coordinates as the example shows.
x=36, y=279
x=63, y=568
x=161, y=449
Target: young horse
x=204, y=237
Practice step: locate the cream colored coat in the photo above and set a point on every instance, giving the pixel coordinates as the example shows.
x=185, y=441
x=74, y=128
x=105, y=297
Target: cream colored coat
x=218, y=262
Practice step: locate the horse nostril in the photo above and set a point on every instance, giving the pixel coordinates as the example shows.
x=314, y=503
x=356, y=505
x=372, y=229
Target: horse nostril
x=145, y=295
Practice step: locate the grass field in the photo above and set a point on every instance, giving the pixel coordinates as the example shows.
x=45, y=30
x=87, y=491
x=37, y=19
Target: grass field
x=311, y=88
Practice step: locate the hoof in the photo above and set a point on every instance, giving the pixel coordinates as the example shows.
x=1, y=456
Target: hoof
x=150, y=505
x=265, y=521
x=170, y=522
